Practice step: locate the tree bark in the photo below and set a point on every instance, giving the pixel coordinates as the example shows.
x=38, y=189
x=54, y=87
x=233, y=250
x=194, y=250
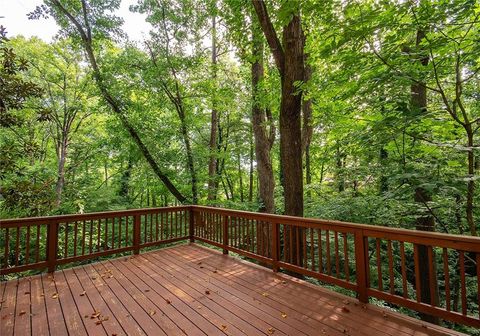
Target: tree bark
x=289, y=60
x=426, y=222
x=263, y=143
x=212, y=164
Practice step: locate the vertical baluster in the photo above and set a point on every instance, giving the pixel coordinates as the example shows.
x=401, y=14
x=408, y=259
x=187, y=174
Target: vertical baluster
x=462, y=282
x=304, y=240
x=390, y=266
x=320, y=251
x=337, y=259
x=162, y=225
x=285, y=241
x=83, y=237
x=252, y=237
x=156, y=226
x=66, y=239
x=17, y=246
x=113, y=232
x=327, y=252
x=151, y=227
x=379, y=265
x=127, y=243
x=345, y=254
x=418, y=289
x=75, y=237
x=27, y=242
x=105, y=240
x=37, y=245
x=144, y=221
x=312, y=250
x=432, y=276
x=90, y=235
x=446, y=273
x=235, y=233
x=99, y=232
x=120, y=224
x=7, y=246
x=404, y=270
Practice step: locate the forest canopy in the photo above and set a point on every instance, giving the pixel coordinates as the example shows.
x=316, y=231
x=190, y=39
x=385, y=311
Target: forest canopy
x=362, y=111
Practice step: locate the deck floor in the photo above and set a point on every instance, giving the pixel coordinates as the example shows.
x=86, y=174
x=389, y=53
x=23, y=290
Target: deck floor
x=187, y=289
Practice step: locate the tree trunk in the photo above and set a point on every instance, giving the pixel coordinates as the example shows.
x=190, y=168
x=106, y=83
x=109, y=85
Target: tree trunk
x=307, y=130
x=262, y=142
x=289, y=60
x=471, y=181
x=212, y=168
x=425, y=222
x=250, y=173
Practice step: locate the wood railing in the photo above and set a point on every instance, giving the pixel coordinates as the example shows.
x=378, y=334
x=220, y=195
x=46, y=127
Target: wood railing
x=395, y=265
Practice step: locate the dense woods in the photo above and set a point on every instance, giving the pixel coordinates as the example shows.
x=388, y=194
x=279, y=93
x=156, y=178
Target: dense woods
x=358, y=111
x=355, y=111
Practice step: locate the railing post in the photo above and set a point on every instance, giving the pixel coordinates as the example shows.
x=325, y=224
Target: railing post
x=275, y=246
x=191, y=228
x=361, y=264
x=225, y=234
x=52, y=242
x=136, y=233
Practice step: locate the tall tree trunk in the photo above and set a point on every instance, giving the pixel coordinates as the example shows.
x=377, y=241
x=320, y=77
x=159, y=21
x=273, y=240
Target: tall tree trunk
x=289, y=60
x=263, y=143
x=250, y=173
x=240, y=177
x=212, y=164
x=426, y=221
x=118, y=109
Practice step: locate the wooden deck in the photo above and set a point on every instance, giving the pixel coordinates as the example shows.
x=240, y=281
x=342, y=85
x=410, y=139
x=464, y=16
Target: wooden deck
x=192, y=290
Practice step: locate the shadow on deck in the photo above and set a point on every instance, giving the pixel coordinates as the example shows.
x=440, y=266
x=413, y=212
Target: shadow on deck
x=188, y=289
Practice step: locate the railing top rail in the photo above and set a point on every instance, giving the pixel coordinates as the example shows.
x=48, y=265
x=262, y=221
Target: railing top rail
x=86, y=216
x=284, y=219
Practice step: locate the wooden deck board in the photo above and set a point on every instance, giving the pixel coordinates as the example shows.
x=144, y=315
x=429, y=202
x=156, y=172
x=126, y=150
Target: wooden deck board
x=188, y=290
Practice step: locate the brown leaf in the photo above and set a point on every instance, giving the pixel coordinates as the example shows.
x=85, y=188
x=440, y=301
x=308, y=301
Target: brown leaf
x=271, y=331
x=86, y=316
x=284, y=282
x=215, y=271
x=168, y=301
x=27, y=293
x=83, y=293
x=207, y=292
x=95, y=315
x=147, y=290
x=98, y=322
x=152, y=312
x=345, y=309
x=284, y=315
x=265, y=294
x=23, y=312
x=224, y=327
x=55, y=296
x=201, y=266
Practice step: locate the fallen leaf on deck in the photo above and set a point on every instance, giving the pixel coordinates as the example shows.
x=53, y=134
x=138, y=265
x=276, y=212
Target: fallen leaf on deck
x=224, y=327
x=86, y=316
x=168, y=301
x=284, y=315
x=215, y=271
x=95, y=315
x=26, y=293
x=83, y=293
x=55, y=296
x=23, y=312
x=271, y=331
x=345, y=309
x=284, y=282
x=207, y=292
x=98, y=322
x=152, y=312
x=94, y=278
x=147, y=290
x=264, y=294
x=201, y=266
